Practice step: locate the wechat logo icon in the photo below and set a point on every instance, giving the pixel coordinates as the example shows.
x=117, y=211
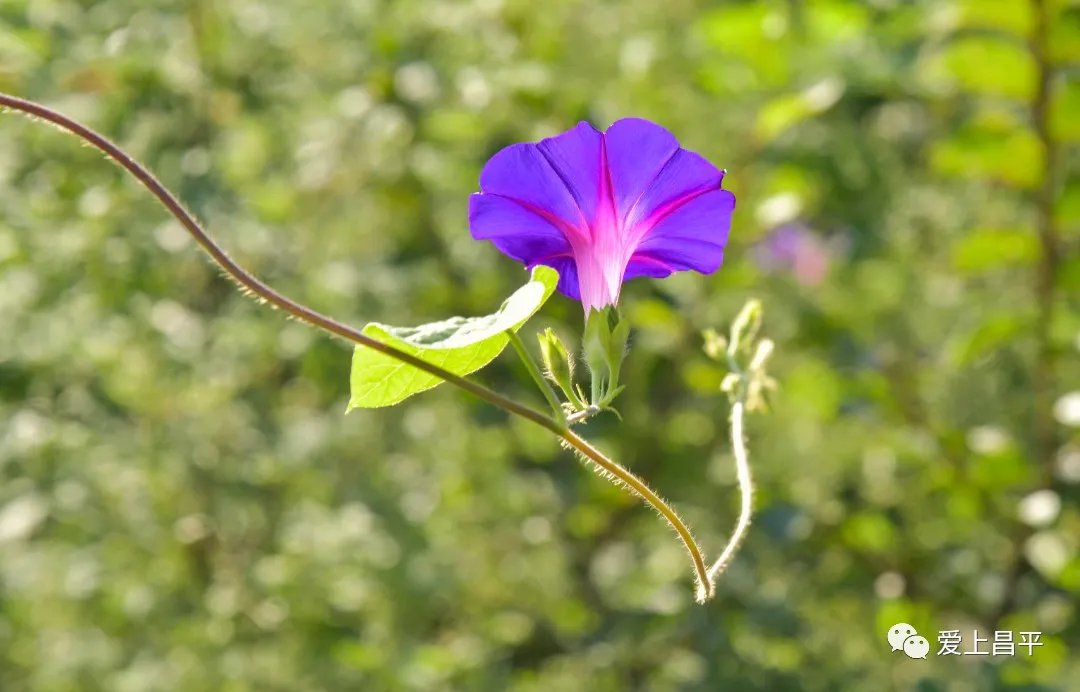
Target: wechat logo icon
x=903, y=637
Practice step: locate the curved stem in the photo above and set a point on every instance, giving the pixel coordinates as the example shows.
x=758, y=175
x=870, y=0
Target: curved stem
x=246, y=279
x=746, y=493
x=328, y=324
x=538, y=377
x=639, y=488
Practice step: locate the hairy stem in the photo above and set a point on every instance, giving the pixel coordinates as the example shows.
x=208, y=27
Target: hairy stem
x=245, y=278
x=538, y=377
x=746, y=492
x=639, y=488
x=305, y=314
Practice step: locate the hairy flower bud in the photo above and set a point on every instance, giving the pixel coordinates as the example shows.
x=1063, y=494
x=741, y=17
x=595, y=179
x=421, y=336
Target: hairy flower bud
x=559, y=365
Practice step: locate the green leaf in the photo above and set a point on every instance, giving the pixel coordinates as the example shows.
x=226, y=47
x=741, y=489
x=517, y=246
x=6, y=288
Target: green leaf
x=836, y=22
x=1001, y=470
x=1065, y=112
x=987, y=338
x=751, y=39
x=871, y=532
x=460, y=344
x=986, y=65
x=815, y=389
x=1067, y=206
x=987, y=249
x=1015, y=159
x=784, y=112
x=1064, y=36
x=1004, y=15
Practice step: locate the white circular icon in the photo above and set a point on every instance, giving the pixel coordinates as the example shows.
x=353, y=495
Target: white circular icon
x=898, y=633
x=916, y=646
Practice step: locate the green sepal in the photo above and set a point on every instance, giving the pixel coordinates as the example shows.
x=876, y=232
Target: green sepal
x=606, y=335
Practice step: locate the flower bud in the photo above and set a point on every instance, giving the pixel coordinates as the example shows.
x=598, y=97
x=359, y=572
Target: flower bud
x=745, y=328
x=715, y=344
x=558, y=365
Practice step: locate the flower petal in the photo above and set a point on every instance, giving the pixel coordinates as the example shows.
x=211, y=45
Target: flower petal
x=690, y=236
x=685, y=176
x=568, y=276
x=643, y=265
x=522, y=173
x=513, y=228
x=636, y=151
x=602, y=208
x=577, y=157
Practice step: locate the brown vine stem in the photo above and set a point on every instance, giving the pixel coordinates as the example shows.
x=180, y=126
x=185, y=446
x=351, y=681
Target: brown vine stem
x=1043, y=375
x=316, y=319
x=1047, y=268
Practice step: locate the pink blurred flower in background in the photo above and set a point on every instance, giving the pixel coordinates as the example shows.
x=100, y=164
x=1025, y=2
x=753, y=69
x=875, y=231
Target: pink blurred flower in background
x=794, y=248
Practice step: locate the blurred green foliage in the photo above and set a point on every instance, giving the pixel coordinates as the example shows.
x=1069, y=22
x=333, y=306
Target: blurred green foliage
x=184, y=506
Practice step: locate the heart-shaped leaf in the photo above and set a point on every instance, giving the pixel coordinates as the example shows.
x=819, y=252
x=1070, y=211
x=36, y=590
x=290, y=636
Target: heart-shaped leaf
x=460, y=344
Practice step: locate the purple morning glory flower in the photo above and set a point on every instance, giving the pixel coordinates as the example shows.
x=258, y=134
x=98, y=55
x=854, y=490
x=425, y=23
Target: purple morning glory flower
x=604, y=207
